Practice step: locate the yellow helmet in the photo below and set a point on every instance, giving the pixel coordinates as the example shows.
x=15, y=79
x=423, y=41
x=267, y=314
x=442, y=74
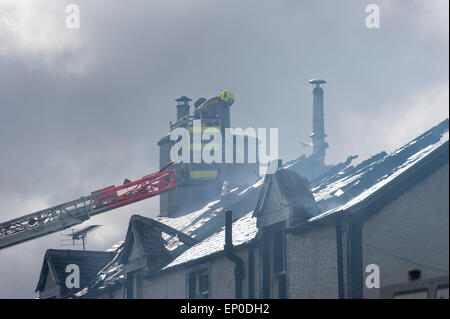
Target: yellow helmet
x=227, y=96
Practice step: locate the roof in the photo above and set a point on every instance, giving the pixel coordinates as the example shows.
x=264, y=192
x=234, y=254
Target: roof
x=146, y=233
x=293, y=188
x=56, y=260
x=145, y=236
x=244, y=230
x=434, y=156
x=109, y=275
x=207, y=221
x=339, y=187
x=200, y=225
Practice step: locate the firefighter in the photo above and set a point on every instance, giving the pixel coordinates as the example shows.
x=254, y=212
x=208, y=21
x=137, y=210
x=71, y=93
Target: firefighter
x=217, y=107
x=199, y=102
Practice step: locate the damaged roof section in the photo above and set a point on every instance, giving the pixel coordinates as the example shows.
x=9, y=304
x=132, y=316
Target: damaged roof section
x=198, y=225
x=205, y=222
x=339, y=187
x=342, y=184
x=433, y=156
x=109, y=276
x=285, y=197
x=244, y=230
x=146, y=234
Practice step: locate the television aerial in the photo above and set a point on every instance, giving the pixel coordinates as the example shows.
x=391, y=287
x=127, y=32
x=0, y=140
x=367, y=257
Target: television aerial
x=78, y=235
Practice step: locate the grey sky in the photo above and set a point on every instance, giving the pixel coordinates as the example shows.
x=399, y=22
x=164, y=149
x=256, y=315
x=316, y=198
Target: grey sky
x=83, y=109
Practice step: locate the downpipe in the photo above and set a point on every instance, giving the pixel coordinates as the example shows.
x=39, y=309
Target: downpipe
x=229, y=253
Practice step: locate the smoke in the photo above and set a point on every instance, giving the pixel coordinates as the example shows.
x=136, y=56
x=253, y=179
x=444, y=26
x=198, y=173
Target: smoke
x=83, y=109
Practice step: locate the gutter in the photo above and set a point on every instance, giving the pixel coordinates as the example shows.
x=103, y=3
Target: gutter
x=229, y=253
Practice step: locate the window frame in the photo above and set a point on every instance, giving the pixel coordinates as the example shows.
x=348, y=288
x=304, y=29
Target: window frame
x=194, y=274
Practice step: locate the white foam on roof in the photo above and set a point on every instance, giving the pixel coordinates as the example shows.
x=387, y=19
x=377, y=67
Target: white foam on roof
x=255, y=185
x=184, y=221
x=189, y=223
x=332, y=187
x=412, y=160
x=116, y=246
x=185, y=224
x=244, y=230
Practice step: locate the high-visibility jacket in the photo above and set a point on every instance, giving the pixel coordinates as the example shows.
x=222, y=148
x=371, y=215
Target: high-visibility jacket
x=214, y=107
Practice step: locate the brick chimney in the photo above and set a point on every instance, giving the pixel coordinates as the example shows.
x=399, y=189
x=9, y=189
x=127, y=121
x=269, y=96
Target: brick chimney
x=182, y=106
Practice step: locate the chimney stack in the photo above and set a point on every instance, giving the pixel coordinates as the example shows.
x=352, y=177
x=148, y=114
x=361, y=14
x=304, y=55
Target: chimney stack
x=182, y=106
x=318, y=135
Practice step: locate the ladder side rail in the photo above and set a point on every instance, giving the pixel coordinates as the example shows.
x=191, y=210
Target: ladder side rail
x=60, y=217
x=74, y=210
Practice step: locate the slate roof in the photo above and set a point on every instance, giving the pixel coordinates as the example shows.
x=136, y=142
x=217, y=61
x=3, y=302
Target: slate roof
x=386, y=181
x=147, y=234
x=295, y=190
x=147, y=238
x=339, y=186
x=110, y=275
x=244, y=230
x=199, y=225
x=56, y=260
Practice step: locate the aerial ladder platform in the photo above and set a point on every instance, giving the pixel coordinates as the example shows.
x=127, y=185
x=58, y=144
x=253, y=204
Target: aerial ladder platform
x=60, y=217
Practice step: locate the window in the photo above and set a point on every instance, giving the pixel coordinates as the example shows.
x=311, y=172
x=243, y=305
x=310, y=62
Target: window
x=274, y=264
x=199, y=284
x=278, y=251
x=139, y=287
x=203, y=285
x=129, y=285
x=279, y=265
